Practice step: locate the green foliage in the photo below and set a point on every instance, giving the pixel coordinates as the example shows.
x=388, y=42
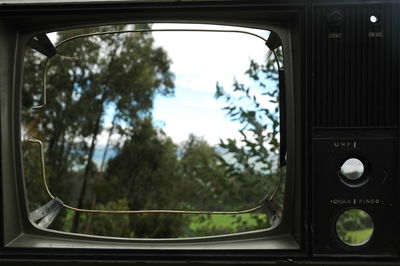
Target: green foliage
x=36, y=191
x=203, y=225
x=102, y=224
x=203, y=175
x=255, y=157
x=124, y=73
x=144, y=173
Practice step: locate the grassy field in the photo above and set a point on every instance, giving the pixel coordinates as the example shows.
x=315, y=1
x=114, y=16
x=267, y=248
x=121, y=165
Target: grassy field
x=359, y=236
x=224, y=224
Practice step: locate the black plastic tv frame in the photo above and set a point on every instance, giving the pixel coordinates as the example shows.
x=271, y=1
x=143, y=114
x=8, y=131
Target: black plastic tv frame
x=342, y=100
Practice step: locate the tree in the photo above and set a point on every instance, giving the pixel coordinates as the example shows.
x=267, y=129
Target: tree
x=144, y=172
x=108, y=84
x=203, y=175
x=125, y=71
x=207, y=187
x=254, y=164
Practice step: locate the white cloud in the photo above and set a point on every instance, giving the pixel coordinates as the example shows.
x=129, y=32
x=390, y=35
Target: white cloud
x=218, y=56
x=200, y=60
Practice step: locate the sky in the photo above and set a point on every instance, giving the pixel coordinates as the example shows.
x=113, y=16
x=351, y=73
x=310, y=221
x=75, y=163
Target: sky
x=199, y=61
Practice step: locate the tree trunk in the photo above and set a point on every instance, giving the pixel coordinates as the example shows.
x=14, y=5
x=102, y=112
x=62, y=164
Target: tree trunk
x=93, y=202
x=108, y=143
x=75, y=224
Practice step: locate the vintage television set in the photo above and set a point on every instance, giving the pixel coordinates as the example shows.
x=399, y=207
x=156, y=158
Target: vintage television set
x=338, y=101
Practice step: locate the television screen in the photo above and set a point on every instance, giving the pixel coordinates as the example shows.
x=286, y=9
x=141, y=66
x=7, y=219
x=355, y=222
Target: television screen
x=156, y=130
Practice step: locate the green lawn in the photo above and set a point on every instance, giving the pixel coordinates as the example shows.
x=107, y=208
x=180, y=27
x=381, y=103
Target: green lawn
x=359, y=236
x=222, y=224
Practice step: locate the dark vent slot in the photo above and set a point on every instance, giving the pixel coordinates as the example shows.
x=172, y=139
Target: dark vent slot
x=356, y=67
